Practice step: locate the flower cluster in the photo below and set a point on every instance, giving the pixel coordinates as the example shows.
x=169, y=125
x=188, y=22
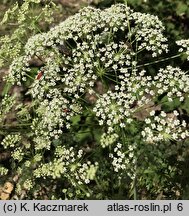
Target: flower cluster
x=88, y=46
x=184, y=44
x=64, y=158
x=124, y=160
x=172, y=81
x=11, y=140
x=147, y=37
x=6, y=105
x=3, y=171
x=17, y=154
x=18, y=70
x=136, y=91
x=44, y=85
x=67, y=164
x=164, y=127
x=85, y=172
x=79, y=38
x=28, y=184
x=138, y=86
x=112, y=108
x=22, y=15
x=108, y=139
x=53, y=119
x=118, y=159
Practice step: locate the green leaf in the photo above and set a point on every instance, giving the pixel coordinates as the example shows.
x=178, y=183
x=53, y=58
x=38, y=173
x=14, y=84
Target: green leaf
x=56, y=142
x=185, y=106
x=97, y=134
x=83, y=135
x=6, y=89
x=75, y=120
x=181, y=8
x=168, y=106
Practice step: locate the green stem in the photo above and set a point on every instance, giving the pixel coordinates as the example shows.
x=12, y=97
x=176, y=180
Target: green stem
x=109, y=36
x=112, y=79
x=135, y=182
x=30, y=76
x=98, y=183
x=135, y=189
x=128, y=25
x=4, y=59
x=158, y=61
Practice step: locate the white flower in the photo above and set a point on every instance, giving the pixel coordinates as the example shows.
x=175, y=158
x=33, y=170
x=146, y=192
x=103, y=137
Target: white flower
x=152, y=113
